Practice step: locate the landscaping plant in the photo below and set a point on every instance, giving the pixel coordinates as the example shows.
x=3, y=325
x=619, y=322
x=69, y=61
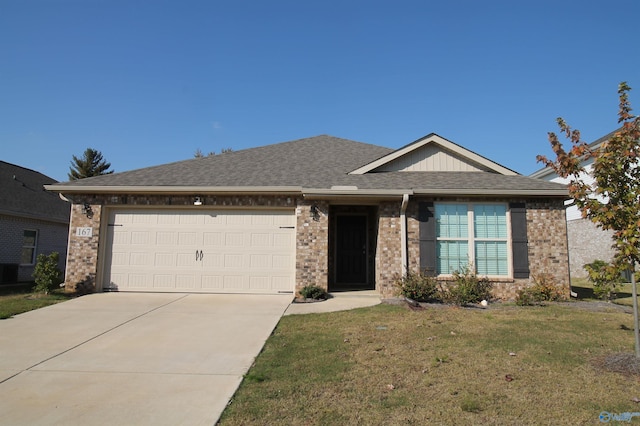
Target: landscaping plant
x=418, y=287
x=605, y=279
x=544, y=289
x=313, y=292
x=46, y=273
x=466, y=288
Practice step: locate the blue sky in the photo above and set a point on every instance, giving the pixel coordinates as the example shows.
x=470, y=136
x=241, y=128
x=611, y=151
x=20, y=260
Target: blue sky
x=149, y=82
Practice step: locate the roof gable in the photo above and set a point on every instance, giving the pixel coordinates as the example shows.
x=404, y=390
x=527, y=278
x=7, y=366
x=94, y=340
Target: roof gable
x=433, y=153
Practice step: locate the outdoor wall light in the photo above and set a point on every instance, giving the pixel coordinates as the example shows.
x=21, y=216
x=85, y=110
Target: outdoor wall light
x=86, y=209
x=315, y=213
x=197, y=201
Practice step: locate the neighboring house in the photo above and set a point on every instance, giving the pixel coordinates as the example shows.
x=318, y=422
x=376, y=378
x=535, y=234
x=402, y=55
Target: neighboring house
x=32, y=221
x=322, y=211
x=587, y=242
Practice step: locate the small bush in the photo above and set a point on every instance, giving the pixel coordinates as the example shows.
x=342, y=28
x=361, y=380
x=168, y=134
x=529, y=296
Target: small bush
x=544, y=289
x=466, y=288
x=313, y=292
x=46, y=273
x=418, y=287
x=604, y=277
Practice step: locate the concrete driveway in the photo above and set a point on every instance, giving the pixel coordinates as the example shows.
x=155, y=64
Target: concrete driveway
x=131, y=358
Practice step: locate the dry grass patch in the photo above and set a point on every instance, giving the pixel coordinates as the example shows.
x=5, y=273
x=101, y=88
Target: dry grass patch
x=390, y=365
x=14, y=303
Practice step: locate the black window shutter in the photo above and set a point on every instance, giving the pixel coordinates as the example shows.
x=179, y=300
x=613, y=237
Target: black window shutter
x=519, y=240
x=426, y=217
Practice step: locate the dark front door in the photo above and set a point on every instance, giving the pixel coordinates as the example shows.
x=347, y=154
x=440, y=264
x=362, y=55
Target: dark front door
x=351, y=249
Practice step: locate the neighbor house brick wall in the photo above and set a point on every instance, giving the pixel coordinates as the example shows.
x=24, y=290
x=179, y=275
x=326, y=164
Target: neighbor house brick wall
x=312, y=245
x=587, y=243
x=389, y=248
x=83, y=256
x=52, y=236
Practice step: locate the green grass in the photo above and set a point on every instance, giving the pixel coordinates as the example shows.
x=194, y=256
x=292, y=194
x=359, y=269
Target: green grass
x=444, y=365
x=18, y=299
x=584, y=288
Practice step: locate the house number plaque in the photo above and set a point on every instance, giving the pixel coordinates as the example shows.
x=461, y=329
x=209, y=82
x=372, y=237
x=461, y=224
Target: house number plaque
x=84, y=232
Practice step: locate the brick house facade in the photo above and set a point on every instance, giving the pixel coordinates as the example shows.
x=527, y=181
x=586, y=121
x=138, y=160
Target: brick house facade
x=385, y=222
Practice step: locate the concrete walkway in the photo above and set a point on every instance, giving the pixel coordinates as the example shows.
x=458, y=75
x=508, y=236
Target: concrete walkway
x=339, y=301
x=130, y=358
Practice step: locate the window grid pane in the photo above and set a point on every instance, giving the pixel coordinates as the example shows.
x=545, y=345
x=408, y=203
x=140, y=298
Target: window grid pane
x=452, y=256
x=491, y=257
x=452, y=221
x=490, y=221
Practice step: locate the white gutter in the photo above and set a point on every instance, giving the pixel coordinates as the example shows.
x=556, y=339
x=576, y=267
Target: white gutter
x=312, y=193
x=167, y=189
x=403, y=233
x=487, y=191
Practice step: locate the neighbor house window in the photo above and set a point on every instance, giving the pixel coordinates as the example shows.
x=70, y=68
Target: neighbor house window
x=29, y=242
x=472, y=234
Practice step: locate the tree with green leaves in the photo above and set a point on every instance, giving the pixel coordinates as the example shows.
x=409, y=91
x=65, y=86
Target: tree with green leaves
x=609, y=193
x=91, y=164
x=200, y=154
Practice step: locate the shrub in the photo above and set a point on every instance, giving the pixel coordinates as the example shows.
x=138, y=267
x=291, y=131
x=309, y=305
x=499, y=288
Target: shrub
x=544, y=289
x=466, y=288
x=313, y=292
x=418, y=287
x=604, y=278
x=46, y=273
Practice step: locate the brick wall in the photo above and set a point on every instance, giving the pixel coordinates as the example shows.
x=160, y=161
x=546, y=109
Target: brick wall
x=587, y=243
x=545, y=227
x=547, y=245
x=389, y=248
x=312, y=245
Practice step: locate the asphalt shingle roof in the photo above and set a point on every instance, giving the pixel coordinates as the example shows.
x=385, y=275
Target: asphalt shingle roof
x=22, y=194
x=318, y=162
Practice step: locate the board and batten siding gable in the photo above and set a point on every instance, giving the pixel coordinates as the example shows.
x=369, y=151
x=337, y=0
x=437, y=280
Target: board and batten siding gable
x=431, y=158
x=519, y=241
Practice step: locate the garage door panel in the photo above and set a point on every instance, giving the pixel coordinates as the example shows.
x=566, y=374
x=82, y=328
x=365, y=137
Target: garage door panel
x=233, y=282
x=210, y=251
x=164, y=260
x=212, y=282
x=187, y=239
x=164, y=281
x=213, y=239
x=166, y=238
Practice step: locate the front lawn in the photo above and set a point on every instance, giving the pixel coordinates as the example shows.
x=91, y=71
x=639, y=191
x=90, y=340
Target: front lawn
x=19, y=299
x=442, y=365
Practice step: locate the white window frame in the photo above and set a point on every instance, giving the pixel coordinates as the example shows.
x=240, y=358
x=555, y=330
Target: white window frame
x=33, y=247
x=471, y=237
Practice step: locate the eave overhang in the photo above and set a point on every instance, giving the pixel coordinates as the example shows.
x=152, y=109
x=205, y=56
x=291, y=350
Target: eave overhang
x=161, y=190
x=495, y=192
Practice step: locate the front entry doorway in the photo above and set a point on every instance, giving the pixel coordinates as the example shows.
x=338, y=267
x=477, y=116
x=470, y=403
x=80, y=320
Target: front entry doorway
x=353, y=248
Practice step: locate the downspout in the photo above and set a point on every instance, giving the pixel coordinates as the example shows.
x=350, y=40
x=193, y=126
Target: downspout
x=403, y=233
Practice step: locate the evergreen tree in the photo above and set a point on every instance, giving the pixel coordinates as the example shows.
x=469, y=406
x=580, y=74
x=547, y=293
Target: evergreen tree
x=91, y=164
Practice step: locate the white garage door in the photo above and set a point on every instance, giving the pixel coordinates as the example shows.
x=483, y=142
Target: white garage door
x=215, y=251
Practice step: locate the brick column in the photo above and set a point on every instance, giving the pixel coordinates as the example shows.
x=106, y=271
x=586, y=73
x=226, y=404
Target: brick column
x=312, y=245
x=388, y=250
x=82, y=254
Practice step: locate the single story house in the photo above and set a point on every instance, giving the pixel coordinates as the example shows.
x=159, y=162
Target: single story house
x=587, y=242
x=323, y=211
x=32, y=222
